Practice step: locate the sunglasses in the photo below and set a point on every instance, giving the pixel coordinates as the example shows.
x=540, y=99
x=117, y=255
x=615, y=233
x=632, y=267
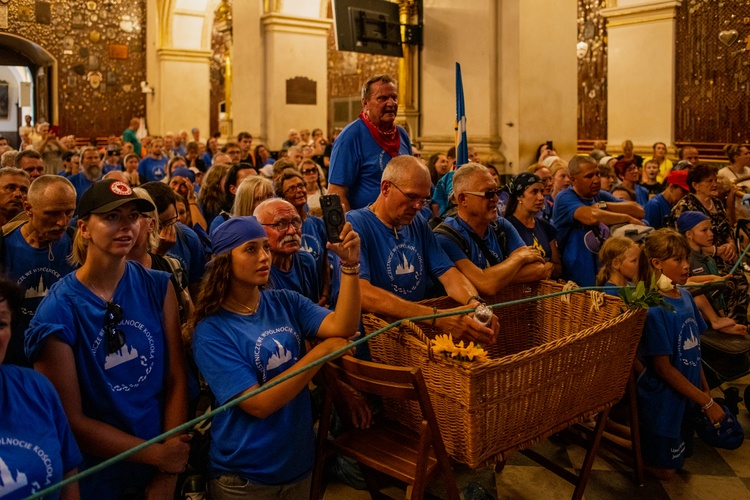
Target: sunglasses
x=309, y=171
x=486, y=194
x=115, y=336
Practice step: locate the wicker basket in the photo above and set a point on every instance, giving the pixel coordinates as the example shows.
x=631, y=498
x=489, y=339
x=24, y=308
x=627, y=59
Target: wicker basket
x=553, y=365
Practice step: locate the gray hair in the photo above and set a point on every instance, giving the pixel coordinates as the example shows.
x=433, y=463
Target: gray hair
x=153, y=237
x=463, y=176
x=575, y=165
x=8, y=158
x=366, y=88
x=262, y=209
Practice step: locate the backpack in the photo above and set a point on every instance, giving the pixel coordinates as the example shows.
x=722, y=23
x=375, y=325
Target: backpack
x=455, y=236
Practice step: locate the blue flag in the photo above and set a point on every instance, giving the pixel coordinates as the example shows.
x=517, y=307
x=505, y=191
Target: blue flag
x=462, y=144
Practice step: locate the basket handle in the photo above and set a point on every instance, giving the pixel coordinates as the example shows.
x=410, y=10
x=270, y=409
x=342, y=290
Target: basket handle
x=417, y=332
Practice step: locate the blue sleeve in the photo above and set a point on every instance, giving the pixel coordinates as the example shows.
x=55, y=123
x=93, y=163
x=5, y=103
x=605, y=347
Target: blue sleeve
x=346, y=158
x=451, y=248
x=142, y=168
x=49, y=319
x=219, y=359
x=308, y=314
x=565, y=207
x=365, y=235
x=197, y=255
x=607, y=196
x=655, y=340
x=440, y=195
x=511, y=235
x=438, y=263
x=702, y=326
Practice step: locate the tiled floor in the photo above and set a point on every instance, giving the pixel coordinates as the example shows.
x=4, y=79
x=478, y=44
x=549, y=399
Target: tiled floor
x=709, y=474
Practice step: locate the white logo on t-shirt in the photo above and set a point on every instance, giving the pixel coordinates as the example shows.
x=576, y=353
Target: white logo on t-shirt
x=280, y=357
x=690, y=343
x=39, y=291
x=9, y=485
x=124, y=354
x=404, y=267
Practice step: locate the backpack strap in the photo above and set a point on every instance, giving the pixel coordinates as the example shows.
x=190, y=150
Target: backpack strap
x=454, y=236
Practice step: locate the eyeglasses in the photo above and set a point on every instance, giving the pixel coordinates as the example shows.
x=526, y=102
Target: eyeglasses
x=547, y=180
x=115, y=336
x=414, y=199
x=170, y=222
x=294, y=188
x=309, y=171
x=486, y=194
x=283, y=225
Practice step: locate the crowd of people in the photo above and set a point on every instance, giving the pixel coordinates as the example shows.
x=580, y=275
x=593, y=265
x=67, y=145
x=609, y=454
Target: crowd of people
x=145, y=274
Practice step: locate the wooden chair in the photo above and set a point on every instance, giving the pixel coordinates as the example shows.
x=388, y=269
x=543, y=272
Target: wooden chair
x=390, y=448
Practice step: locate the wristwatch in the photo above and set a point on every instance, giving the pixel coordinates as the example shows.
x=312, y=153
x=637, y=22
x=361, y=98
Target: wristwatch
x=602, y=205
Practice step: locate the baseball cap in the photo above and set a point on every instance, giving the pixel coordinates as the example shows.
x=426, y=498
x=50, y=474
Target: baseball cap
x=727, y=435
x=678, y=178
x=109, y=194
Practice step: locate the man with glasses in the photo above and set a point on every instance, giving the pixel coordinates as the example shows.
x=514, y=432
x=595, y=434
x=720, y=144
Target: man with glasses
x=176, y=239
x=582, y=209
x=486, y=248
x=290, y=186
x=35, y=253
x=290, y=268
x=234, y=151
x=400, y=254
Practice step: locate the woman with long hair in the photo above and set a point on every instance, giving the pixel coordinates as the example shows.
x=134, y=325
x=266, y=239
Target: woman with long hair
x=108, y=338
x=211, y=196
x=246, y=336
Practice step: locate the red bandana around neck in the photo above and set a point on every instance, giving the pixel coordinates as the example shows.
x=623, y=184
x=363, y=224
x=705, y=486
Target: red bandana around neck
x=389, y=141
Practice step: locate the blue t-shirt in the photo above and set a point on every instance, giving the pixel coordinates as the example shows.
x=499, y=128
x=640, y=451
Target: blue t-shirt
x=579, y=263
x=492, y=239
x=441, y=193
x=216, y=222
x=35, y=270
x=303, y=277
x=541, y=237
x=658, y=211
x=124, y=389
x=235, y=352
x=314, y=239
x=188, y=249
x=401, y=263
x=107, y=168
x=37, y=447
x=675, y=334
x=207, y=159
x=641, y=195
x=546, y=211
x=81, y=183
x=357, y=162
x=153, y=169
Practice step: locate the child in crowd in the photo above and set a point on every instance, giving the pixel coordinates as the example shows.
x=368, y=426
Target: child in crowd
x=696, y=226
x=651, y=183
x=673, y=385
x=619, y=263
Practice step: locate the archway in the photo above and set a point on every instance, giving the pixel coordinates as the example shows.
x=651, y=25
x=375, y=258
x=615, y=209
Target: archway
x=19, y=51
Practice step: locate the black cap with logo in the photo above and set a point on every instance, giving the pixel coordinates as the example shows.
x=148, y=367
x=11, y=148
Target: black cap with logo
x=108, y=194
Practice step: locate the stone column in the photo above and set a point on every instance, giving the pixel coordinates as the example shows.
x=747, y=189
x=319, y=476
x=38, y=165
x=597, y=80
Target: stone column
x=518, y=62
x=247, y=71
x=295, y=53
x=183, y=90
x=641, y=73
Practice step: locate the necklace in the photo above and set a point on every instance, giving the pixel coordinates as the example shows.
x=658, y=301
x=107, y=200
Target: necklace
x=244, y=308
x=97, y=292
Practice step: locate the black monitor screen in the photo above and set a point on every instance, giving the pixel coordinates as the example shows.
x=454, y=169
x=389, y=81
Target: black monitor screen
x=367, y=26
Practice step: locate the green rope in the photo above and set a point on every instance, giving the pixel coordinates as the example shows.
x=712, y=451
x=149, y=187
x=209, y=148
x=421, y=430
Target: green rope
x=191, y=423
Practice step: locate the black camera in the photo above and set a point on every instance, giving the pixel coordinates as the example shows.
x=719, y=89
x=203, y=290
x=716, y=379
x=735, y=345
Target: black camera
x=333, y=216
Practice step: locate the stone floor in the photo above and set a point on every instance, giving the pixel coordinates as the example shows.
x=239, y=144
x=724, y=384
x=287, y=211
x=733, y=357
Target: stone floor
x=709, y=474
